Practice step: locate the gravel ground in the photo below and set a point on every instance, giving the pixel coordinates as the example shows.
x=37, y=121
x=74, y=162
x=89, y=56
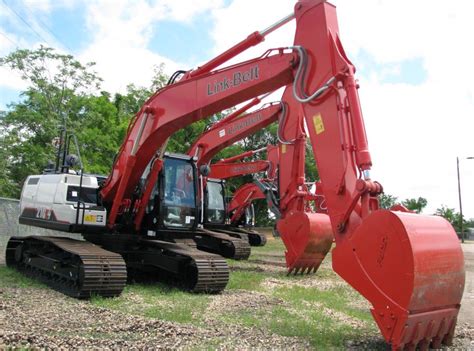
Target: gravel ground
x=41, y=318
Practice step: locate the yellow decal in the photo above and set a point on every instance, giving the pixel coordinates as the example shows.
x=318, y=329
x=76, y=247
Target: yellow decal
x=90, y=218
x=283, y=148
x=318, y=123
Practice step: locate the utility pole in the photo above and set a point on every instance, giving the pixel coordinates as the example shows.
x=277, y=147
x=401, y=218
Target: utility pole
x=460, y=202
x=461, y=224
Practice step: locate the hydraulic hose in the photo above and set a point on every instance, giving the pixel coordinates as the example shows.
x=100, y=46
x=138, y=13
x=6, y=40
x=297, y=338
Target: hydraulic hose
x=301, y=75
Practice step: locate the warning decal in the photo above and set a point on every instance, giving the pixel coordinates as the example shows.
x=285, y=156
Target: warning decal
x=318, y=123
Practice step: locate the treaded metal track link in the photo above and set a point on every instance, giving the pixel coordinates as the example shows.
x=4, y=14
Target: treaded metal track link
x=254, y=238
x=177, y=264
x=75, y=268
x=198, y=271
x=229, y=247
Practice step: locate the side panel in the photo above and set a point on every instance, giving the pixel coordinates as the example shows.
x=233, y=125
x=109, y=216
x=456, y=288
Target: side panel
x=28, y=193
x=44, y=203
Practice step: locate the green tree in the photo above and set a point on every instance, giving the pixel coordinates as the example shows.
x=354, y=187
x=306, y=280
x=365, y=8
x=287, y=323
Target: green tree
x=416, y=205
x=452, y=217
x=311, y=171
x=56, y=79
x=386, y=201
x=101, y=133
x=7, y=187
x=470, y=223
x=59, y=94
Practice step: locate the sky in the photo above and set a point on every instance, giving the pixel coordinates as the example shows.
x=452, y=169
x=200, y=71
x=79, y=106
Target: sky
x=413, y=61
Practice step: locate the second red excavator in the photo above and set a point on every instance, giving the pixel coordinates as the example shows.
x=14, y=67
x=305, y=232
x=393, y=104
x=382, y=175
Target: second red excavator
x=263, y=188
x=223, y=133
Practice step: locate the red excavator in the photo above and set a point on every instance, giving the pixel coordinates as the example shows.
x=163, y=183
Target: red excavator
x=223, y=133
x=410, y=267
x=263, y=188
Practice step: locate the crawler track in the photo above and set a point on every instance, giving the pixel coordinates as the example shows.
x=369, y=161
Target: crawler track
x=222, y=244
x=254, y=238
x=175, y=263
x=199, y=271
x=76, y=268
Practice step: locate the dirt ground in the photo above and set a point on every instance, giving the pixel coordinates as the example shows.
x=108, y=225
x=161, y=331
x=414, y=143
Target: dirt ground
x=466, y=315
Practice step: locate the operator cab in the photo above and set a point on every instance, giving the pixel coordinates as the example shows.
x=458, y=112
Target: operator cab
x=248, y=219
x=215, y=206
x=173, y=202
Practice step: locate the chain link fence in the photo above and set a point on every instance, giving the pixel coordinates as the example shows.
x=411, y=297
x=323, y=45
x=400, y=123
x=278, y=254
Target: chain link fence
x=9, y=226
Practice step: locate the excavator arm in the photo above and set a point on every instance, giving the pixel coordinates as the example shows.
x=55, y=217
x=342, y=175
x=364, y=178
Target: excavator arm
x=221, y=134
x=410, y=267
x=249, y=192
x=226, y=171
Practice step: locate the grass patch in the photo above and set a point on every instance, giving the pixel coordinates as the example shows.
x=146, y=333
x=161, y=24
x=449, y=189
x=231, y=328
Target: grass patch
x=273, y=245
x=158, y=301
x=303, y=315
x=337, y=299
x=304, y=312
x=245, y=280
x=310, y=324
x=9, y=278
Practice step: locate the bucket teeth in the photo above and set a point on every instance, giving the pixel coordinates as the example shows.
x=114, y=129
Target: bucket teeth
x=426, y=344
x=303, y=269
x=436, y=343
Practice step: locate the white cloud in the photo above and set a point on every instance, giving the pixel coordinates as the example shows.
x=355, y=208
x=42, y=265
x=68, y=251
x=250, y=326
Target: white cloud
x=184, y=11
x=121, y=33
x=120, y=66
x=415, y=132
x=8, y=42
x=12, y=80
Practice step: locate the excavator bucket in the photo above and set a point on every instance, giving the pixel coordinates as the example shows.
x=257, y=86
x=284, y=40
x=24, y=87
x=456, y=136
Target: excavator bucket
x=411, y=268
x=308, y=237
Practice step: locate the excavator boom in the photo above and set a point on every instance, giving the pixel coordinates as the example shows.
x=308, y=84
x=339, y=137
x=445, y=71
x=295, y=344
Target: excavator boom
x=226, y=171
x=249, y=192
x=231, y=129
x=227, y=168
x=205, y=95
